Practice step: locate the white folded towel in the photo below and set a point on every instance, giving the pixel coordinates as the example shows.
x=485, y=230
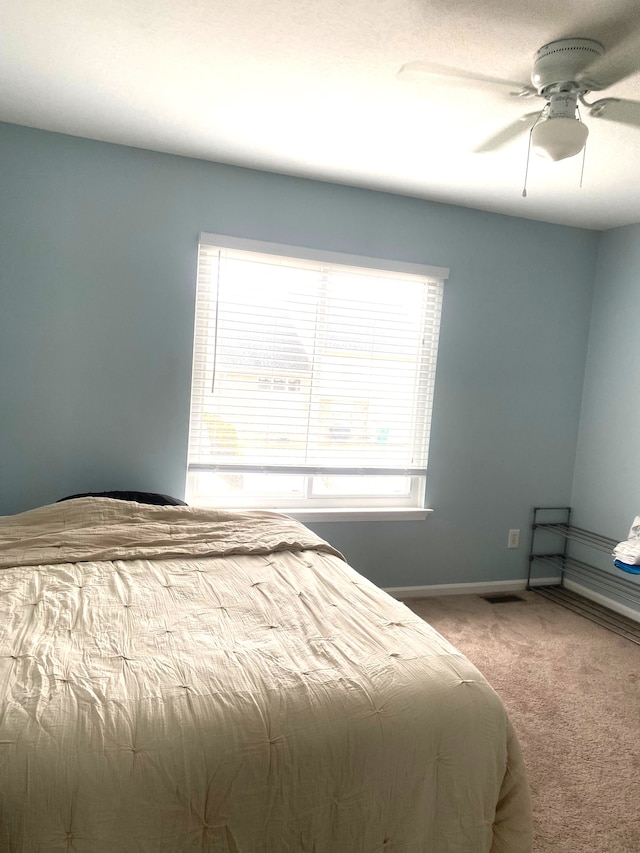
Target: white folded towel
x=629, y=550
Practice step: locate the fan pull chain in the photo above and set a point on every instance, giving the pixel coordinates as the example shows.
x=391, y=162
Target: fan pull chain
x=584, y=154
x=584, y=151
x=526, y=170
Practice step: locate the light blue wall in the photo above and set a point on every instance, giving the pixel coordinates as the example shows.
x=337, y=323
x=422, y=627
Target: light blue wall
x=97, y=266
x=606, y=490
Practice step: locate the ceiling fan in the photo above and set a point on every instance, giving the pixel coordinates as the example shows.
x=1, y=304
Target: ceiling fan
x=564, y=72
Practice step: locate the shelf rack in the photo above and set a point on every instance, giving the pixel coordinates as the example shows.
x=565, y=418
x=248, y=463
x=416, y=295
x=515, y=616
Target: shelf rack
x=554, y=525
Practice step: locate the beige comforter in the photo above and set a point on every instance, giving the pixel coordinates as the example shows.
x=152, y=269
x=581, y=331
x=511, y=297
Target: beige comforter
x=175, y=679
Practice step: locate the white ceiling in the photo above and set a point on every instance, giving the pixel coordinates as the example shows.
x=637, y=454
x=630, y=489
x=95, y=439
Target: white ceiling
x=312, y=89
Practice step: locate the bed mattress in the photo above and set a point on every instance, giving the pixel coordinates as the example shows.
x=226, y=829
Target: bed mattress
x=178, y=679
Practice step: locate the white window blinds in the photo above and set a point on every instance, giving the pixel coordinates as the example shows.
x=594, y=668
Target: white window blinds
x=308, y=366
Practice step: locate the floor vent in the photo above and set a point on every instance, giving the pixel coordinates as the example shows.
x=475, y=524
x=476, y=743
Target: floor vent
x=501, y=599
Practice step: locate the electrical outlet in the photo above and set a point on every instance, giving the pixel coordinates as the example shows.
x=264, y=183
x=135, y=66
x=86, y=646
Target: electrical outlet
x=514, y=539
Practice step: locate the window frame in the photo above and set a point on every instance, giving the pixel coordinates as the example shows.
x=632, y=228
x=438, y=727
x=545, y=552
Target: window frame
x=411, y=505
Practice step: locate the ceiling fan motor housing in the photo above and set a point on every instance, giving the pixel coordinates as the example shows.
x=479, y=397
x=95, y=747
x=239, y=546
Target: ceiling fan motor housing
x=558, y=66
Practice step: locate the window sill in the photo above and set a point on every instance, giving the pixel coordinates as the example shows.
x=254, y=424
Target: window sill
x=355, y=514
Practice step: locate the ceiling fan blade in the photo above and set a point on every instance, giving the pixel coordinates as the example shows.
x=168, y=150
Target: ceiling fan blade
x=450, y=74
x=616, y=64
x=508, y=133
x=618, y=110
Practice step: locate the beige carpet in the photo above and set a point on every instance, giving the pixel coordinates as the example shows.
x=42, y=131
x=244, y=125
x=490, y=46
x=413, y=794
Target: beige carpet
x=572, y=691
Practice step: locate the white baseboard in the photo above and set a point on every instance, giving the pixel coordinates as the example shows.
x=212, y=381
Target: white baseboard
x=496, y=587
x=486, y=587
x=584, y=591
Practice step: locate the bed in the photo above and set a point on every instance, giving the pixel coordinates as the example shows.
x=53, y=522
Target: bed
x=179, y=679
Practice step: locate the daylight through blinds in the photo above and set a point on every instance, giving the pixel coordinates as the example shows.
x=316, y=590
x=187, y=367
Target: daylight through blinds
x=306, y=366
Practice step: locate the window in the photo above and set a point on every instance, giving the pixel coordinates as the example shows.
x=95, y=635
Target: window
x=313, y=378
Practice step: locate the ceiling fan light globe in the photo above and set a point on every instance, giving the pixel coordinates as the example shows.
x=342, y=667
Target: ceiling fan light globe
x=559, y=138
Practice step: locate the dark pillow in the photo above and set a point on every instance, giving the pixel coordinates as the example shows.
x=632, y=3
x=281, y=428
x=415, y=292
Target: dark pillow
x=139, y=497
